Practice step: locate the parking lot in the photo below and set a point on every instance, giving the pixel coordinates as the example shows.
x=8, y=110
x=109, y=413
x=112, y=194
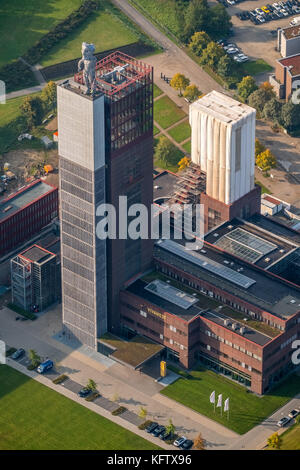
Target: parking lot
x=256, y=41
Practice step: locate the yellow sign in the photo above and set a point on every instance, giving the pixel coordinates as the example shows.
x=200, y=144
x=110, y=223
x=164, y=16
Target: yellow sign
x=157, y=314
x=163, y=368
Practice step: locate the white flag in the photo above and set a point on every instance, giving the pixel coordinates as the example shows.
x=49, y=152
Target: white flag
x=226, y=404
x=219, y=400
x=212, y=397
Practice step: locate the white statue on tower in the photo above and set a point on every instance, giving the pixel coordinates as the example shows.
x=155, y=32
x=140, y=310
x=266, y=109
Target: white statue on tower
x=88, y=64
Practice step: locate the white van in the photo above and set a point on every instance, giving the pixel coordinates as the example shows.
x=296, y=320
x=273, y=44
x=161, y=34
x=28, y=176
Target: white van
x=295, y=21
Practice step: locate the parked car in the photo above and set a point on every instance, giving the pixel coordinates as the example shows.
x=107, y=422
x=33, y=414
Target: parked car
x=158, y=430
x=240, y=58
x=292, y=414
x=179, y=441
x=18, y=354
x=151, y=427
x=84, y=392
x=283, y=421
x=187, y=444
x=45, y=366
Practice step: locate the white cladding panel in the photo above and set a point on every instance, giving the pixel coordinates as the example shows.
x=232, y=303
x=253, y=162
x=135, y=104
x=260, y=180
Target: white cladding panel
x=223, y=145
x=81, y=128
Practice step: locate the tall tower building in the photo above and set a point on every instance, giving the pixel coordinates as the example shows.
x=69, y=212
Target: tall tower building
x=106, y=151
x=223, y=144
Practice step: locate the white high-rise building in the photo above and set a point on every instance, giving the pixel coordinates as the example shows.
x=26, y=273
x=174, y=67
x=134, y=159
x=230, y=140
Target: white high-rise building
x=223, y=144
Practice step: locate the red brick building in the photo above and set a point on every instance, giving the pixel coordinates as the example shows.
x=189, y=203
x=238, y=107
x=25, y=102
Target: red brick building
x=232, y=315
x=287, y=72
x=25, y=213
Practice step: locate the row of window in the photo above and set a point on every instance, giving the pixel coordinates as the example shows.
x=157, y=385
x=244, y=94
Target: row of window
x=232, y=345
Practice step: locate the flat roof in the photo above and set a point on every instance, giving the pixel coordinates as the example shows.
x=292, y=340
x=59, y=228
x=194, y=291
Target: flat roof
x=138, y=288
x=37, y=254
x=133, y=352
x=248, y=333
x=222, y=107
x=171, y=293
x=267, y=292
x=292, y=63
x=22, y=198
x=271, y=226
x=249, y=241
x=163, y=185
x=291, y=32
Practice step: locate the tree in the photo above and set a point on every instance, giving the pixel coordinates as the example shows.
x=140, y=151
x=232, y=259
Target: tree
x=275, y=441
x=219, y=22
x=191, y=92
x=179, y=82
x=199, y=442
x=49, y=95
x=266, y=160
x=170, y=428
x=32, y=110
x=34, y=358
x=197, y=18
x=268, y=89
x=259, y=147
x=290, y=116
x=259, y=98
x=272, y=110
x=225, y=66
x=164, y=150
x=91, y=385
x=143, y=413
x=212, y=55
x=183, y=163
x=199, y=41
x=246, y=86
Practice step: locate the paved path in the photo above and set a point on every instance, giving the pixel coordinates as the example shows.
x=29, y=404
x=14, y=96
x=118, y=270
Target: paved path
x=174, y=59
x=91, y=406
x=134, y=389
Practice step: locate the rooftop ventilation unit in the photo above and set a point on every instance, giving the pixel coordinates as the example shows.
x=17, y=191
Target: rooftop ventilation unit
x=281, y=251
x=230, y=226
x=242, y=330
x=292, y=301
x=267, y=260
x=234, y=326
x=226, y=322
x=216, y=234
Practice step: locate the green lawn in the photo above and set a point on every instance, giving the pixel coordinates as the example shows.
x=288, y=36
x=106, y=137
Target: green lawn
x=255, y=67
x=187, y=147
x=106, y=28
x=291, y=438
x=34, y=417
x=246, y=409
x=163, y=12
x=166, y=112
x=23, y=22
x=172, y=163
x=180, y=132
x=156, y=91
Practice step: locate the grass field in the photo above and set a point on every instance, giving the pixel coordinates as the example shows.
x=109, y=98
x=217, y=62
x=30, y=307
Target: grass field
x=187, y=147
x=163, y=12
x=264, y=189
x=156, y=91
x=23, y=22
x=166, y=112
x=255, y=67
x=33, y=417
x=246, y=409
x=104, y=28
x=180, y=132
x=291, y=438
x=155, y=130
x=172, y=163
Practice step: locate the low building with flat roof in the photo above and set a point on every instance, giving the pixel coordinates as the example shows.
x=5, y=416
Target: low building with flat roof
x=25, y=213
x=288, y=40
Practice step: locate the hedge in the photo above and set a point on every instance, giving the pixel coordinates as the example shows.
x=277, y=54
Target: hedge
x=60, y=379
x=20, y=311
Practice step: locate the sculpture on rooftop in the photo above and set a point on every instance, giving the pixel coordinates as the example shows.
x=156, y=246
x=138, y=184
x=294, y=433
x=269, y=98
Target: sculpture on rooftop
x=88, y=64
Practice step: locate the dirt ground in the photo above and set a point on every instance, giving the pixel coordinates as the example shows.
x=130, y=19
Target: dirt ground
x=28, y=164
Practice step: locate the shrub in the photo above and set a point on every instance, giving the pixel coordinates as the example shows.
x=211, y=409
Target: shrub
x=60, y=379
x=119, y=411
x=10, y=351
x=92, y=396
x=145, y=424
x=17, y=75
x=33, y=366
